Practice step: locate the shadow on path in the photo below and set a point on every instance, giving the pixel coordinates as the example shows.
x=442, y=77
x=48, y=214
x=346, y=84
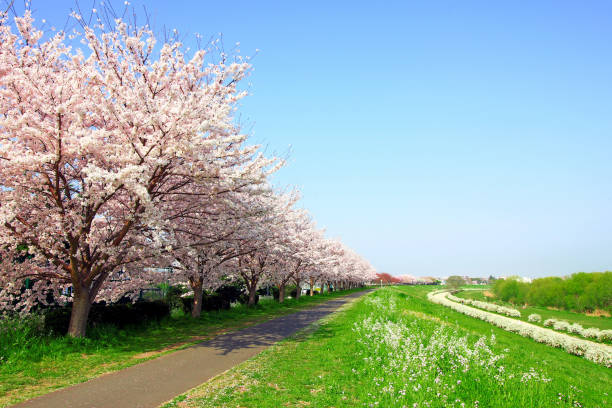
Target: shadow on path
x=270, y=332
x=156, y=381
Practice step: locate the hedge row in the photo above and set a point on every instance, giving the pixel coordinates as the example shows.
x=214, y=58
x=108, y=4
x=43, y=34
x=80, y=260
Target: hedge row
x=120, y=315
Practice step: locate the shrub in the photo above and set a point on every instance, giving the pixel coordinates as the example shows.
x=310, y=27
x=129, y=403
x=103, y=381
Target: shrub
x=214, y=302
x=549, y=322
x=273, y=290
x=57, y=320
x=152, y=311
x=172, y=296
x=231, y=292
x=575, y=328
x=534, y=318
x=492, y=307
x=561, y=325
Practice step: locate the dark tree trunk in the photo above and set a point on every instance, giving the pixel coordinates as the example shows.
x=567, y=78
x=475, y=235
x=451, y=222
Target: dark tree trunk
x=196, y=285
x=80, y=312
x=298, y=289
x=281, y=293
x=252, y=293
x=311, y=286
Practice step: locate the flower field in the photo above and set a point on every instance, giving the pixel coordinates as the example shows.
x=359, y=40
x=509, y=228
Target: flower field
x=589, y=326
x=394, y=348
x=491, y=307
x=598, y=353
x=576, y=328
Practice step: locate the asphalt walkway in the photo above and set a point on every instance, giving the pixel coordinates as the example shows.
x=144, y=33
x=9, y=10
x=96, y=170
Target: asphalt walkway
x=150, y=384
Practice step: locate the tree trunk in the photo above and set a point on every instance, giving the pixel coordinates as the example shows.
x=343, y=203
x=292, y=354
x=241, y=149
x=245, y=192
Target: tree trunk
x=252, y=293
x=196, y=309
x=80, y=312
x=281, y=293
x=311, y=286
x=298, y=289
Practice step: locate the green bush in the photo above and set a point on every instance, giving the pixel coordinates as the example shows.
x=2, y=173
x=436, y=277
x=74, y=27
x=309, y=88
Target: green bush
x=57, y=320
x=172, y=296
x=231, y=292
x=580, y=292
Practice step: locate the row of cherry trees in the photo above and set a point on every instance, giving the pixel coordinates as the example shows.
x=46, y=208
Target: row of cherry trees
x=125, y=156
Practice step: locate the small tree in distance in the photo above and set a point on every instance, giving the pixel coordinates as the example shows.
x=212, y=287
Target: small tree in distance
x=455, y=282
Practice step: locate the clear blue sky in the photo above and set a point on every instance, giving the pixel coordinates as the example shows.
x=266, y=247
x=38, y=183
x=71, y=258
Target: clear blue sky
x=434, y=137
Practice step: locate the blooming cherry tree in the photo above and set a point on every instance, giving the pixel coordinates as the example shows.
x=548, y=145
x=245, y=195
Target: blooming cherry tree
x=95, y=144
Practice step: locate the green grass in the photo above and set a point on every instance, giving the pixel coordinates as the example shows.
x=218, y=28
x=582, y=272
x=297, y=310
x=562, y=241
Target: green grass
x=600, y=322
x=327, y=367
x=35, y=365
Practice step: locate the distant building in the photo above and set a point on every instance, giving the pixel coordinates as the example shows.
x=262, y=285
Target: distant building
x=524, y=279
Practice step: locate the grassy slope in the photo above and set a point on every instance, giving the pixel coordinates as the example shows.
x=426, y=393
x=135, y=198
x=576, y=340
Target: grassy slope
x=321, y=366
x=43, y=365
x=603, y=323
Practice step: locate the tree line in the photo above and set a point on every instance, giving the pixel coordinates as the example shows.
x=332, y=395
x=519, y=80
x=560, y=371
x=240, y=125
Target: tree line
x=122, y=159
x=579, y=292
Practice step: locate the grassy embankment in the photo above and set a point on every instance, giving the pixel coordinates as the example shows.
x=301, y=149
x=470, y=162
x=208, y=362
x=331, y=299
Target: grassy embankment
x=600, y=322
x=394, y=348
x=32, y=365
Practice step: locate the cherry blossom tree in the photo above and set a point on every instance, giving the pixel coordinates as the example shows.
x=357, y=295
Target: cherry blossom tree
x=206, y=238
x=95, y=143
x=292, y=249
x=260, y=245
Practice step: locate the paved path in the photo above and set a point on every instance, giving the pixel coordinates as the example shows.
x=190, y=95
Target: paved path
x=156, y=381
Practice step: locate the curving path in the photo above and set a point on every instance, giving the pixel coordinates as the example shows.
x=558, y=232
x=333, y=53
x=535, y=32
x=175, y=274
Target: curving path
x=156, y=381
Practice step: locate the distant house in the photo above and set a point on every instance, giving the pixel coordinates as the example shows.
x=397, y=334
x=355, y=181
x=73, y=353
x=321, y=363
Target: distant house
x=524, y=279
